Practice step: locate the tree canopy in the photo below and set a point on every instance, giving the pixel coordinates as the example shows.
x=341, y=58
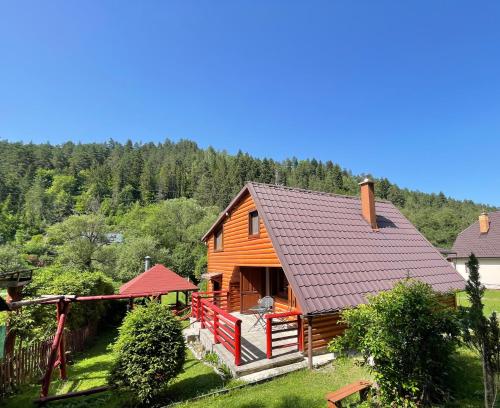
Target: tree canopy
x=43, y=184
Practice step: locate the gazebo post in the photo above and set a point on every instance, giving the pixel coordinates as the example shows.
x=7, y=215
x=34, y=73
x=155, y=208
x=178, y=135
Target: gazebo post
x=176, y=300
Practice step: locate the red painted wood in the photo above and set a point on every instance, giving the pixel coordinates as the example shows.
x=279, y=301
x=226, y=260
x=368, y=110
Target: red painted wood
x=269, y=337
x=299, y=333
x=54, y=348
x=216, y=327
x=237, y=344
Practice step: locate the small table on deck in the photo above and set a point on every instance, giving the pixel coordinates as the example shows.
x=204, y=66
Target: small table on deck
x=260, y=311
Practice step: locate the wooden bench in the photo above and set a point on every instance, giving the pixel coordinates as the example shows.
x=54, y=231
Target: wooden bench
x=335, y=398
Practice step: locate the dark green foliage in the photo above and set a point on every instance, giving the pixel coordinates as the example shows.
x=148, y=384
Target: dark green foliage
x=480, y=332
x=43, y=184
x=410, y=338
x=150, y=352
x=10, y=259
x=38, y=322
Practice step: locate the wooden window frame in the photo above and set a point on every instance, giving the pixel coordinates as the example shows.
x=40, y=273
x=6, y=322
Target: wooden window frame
x=221, y=230
x=250, y=235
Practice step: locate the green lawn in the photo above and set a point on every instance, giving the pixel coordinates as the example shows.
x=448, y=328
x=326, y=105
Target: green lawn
x=491, y=301
x=91, y=370
x=300, y=389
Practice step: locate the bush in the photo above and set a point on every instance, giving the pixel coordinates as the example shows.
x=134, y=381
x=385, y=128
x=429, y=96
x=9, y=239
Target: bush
x=408, y=338
x=38, y=322
x=150, y=351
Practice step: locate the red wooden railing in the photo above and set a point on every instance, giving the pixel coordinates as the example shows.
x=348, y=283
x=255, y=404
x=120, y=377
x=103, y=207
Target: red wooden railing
x=220, y=298
x=210, y=309
x=285, y=324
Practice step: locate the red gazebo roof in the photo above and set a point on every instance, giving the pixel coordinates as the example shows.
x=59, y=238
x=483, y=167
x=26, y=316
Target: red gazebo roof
x=157, y=280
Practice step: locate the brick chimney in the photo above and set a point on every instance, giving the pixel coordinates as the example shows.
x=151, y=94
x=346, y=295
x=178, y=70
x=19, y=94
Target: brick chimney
x=484, y=223
x=367, y=194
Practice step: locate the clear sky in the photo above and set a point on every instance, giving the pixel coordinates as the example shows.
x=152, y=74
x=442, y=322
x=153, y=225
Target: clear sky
x=405, y=90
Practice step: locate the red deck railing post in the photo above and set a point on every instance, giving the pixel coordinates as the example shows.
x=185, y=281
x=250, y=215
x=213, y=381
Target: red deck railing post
x=269, y=337
x=194, y=302
x=198, y=307
x=216, y=327
x=202, y=315
x=237, y=342
x=300, y=334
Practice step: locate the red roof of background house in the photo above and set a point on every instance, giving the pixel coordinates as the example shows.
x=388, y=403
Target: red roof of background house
x=485, y=245
x=158, y=279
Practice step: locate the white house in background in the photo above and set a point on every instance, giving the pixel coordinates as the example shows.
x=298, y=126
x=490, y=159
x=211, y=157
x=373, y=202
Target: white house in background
x=483, y=239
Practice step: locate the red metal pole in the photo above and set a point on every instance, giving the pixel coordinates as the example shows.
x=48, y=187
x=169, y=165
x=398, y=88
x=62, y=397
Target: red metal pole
x=53, y=350
x=237, y=342
x=269, y=337
x=216, y=327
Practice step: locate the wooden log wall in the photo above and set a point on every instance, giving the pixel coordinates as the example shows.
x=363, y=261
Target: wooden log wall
x=324, y=329
x=240, y=249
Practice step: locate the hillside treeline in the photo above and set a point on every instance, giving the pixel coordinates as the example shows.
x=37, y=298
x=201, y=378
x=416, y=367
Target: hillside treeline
x=41, y=184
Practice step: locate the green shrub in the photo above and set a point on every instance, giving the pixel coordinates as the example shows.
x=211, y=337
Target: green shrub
x=408, y=337
x=38, y=322
x=150, y=351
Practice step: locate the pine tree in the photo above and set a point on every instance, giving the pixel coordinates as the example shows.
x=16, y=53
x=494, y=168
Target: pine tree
x=480, y=332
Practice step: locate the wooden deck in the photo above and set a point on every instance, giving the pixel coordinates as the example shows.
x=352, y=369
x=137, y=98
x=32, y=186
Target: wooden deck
x=253, y=348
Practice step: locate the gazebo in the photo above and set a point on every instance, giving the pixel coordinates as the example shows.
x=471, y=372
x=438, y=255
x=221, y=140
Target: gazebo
x=158, y=280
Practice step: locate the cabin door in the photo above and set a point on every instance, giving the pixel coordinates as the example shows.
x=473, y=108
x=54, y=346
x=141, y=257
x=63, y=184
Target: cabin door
x=252, y=284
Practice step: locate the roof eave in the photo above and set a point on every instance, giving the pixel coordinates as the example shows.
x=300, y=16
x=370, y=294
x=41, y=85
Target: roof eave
x=223, y=214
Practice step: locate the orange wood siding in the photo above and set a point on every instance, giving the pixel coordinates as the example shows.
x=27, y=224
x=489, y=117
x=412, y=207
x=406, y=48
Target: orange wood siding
x=239, y=249
x=449, y=300
x=324, y=329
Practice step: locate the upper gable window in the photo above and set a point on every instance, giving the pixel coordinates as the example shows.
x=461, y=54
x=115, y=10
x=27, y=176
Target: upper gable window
x=253, y=223
x=218, y=240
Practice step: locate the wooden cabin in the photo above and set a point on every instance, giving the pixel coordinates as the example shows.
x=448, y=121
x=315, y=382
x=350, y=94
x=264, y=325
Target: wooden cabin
x=317, y=253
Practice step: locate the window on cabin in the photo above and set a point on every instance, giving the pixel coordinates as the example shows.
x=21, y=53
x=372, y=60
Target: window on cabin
x=253, y=223
x=279, y=284
x=218, y=240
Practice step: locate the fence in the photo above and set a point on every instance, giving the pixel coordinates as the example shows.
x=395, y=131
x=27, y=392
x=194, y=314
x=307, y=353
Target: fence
x=284, y=324
x=220, y=298
x=28, y=364
x=225, y=328
x=210, y=309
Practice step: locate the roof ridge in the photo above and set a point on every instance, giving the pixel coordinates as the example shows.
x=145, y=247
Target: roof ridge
x=303, y=190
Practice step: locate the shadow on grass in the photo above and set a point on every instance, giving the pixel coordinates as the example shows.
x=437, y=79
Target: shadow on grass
x=192, y=387
x=285, y=401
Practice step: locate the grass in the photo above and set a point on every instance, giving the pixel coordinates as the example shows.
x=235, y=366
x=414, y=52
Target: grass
x=299, y=389
x=491, y=300
x=169, y=298
x=91, y=370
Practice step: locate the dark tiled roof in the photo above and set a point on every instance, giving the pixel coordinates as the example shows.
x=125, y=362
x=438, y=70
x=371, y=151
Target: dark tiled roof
x=157, y=280
x=482, y=245
x=333, y=258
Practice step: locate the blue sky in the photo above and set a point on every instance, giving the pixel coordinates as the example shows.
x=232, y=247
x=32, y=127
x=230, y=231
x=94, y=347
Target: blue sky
x=410, y=91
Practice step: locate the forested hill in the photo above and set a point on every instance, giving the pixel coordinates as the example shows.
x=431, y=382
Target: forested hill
x=43, y=184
